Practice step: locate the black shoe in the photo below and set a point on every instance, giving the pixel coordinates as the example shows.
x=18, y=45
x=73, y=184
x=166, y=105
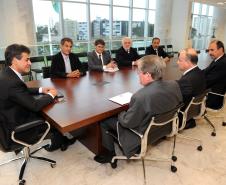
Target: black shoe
x=50, y=148
x=190, y=124
x=66, y=143
x=103, y=159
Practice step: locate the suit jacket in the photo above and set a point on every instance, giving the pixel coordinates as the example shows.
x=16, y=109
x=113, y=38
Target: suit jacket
x=17, y=104
x=123, y=58
x=95, y=64
x=155, y=98
x=150, y=51
x=58, y=66
x=216, y=76
x=191, y=84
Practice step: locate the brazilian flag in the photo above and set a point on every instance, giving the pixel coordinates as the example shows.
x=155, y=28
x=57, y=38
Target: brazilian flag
x=56, y=6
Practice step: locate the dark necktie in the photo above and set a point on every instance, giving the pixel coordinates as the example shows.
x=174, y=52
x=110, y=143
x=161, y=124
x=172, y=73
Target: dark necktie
x=100, y=60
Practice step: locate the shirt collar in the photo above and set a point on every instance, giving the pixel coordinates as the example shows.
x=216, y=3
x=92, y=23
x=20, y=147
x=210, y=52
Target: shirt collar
x=64, y=56
x=17, y=73
x=98, y=53
x=218, y=58
x=189, y=70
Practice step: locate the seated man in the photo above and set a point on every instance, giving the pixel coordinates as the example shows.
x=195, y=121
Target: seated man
x=215, y=73
x=126, y=55
x=154, y=49
x=66, y=64
x=99, y=59
x=17, y=103
x=156, y=97
x=192, y=83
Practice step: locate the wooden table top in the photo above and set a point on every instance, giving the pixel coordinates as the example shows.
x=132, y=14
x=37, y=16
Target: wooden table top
x=86, y=98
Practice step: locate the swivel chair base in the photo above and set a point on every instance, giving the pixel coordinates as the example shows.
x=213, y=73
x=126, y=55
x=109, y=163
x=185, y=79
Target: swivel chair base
x=26, y=156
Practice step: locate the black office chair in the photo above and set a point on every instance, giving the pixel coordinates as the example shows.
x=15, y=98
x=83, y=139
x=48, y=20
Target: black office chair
x=195, y=110
x=161, y=125
x=221, y=102
x=13, y=140
x=170, y=50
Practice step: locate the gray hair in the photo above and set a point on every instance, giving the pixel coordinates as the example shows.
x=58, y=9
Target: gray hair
x=154, y=65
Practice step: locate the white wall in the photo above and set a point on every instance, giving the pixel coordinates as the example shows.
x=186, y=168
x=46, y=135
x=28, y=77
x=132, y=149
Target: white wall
x=162, y=27
x=17, y=22
x=180, y=23
x=219, y=18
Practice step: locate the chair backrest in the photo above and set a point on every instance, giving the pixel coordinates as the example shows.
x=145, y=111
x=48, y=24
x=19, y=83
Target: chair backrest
x=161, y=125
x=196, y=108
x=163, y=47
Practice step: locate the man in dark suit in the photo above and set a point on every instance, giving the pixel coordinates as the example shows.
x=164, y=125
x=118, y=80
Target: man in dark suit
x=156, y=97
x=192, y=83
x=99, y=59
x=66, y=64
x=126, y=55
x=154, y=49
x=215, y=73
x=17, y=104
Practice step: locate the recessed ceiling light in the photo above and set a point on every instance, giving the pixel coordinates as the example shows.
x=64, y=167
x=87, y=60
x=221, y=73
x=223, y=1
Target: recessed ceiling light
x=220, y=3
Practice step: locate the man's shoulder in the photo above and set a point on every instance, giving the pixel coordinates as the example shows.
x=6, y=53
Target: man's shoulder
x=57, y=55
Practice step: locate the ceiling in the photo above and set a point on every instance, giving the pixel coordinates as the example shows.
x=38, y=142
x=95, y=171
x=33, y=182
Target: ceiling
x=213, y=2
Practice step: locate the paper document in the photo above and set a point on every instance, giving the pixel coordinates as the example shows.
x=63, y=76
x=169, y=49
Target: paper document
x=122, y=99
x=111, y=69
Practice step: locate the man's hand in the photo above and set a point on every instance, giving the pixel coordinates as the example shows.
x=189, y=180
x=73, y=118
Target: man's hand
x=51, y=90
x=74, y=74
x=112, y=64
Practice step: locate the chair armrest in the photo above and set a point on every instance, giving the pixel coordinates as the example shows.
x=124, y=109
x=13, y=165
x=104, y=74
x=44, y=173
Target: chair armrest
x=28, y=125
x=217, y=94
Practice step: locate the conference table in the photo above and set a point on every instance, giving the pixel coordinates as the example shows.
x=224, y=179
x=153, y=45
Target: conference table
x=86, y=100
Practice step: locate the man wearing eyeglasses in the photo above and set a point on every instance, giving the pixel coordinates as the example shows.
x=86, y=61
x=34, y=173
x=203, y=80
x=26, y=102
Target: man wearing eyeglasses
x=156, y=97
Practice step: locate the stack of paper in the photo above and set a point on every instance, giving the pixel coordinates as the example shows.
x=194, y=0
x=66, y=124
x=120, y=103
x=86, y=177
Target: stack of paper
x=111, y=69
x=122, y=99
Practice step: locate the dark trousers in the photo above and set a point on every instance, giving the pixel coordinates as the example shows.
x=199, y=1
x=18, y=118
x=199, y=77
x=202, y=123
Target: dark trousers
x=109, y=125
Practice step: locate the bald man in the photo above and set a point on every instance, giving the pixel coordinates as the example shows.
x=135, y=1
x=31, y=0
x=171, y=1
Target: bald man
x=192, y=83
x=126, y=55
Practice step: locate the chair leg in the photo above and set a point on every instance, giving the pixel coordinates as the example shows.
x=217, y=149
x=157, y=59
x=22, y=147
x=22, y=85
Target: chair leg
x=11, y=160
x=22, y=169
x=174, y=158
x=144, y=172
x=211, y=124
x=52, y=162
x=41, y=147
x=199, y=147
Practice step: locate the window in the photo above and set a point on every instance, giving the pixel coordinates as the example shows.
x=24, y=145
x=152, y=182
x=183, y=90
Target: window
x=100, y=21
x=120, y=22
x=121, y=3
x=48, y=29
x=75, y=24
x=202, y=25
x=69, y=18
x=138, y=23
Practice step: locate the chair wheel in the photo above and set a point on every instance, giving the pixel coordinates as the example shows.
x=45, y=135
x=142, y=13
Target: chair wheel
x=174, y=158
x=114, y=164
x=22, y=182
x=53, y=165
x=173, y=168
x=199, y=148
x=224, y=124
x=213, y=134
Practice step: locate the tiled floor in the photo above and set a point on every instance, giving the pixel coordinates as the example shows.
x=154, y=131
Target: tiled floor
x=77, y=167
